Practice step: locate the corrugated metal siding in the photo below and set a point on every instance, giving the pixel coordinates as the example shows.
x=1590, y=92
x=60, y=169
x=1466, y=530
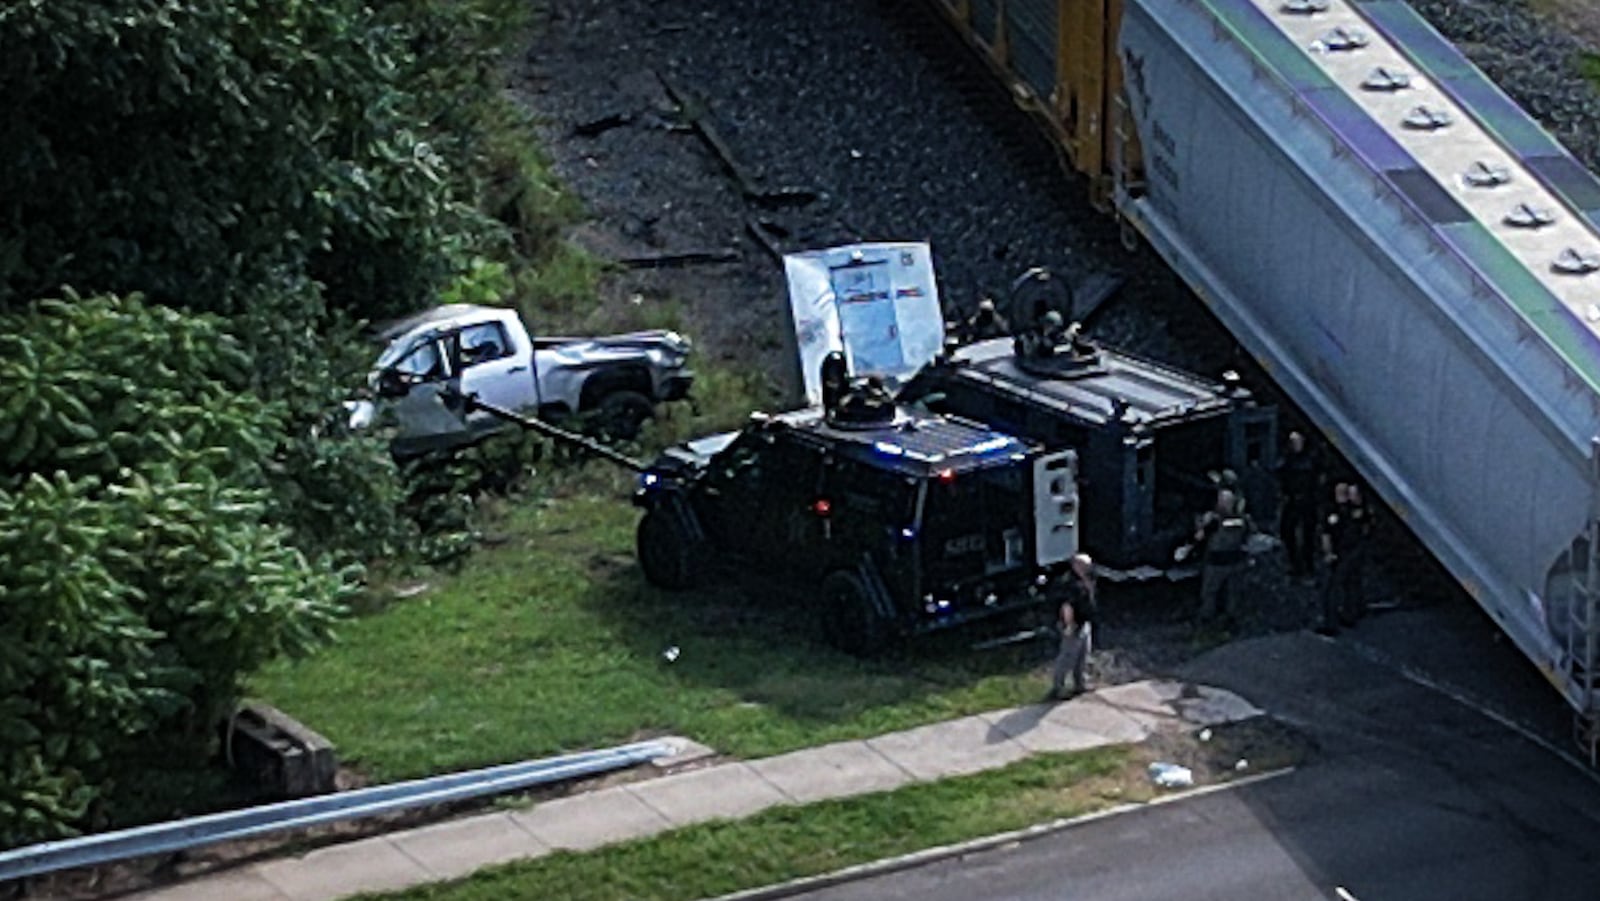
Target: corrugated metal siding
x=1473, y=431
x=986, y=19
x=1148, y=394
x=1032, y=27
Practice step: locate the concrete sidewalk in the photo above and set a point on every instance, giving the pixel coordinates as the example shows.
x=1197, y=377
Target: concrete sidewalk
x=1117, y=715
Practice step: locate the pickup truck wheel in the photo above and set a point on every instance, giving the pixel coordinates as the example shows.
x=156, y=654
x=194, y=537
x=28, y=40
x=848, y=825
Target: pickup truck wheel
x=668, y=556
x=622, y=414
x=852, y=621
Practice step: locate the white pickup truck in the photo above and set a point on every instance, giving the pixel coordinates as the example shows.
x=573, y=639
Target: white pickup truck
x=487, y=352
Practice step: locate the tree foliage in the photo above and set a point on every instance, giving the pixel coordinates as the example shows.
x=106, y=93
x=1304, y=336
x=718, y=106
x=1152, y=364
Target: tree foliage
x=179, y=499
x=200, y=151
x=142, y=576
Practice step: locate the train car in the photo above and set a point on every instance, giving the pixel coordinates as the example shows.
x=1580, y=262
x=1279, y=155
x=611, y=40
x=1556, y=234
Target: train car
x=1413, y=259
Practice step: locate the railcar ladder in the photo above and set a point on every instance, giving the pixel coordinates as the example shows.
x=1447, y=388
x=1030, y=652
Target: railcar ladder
x=1583, y=613
x=1581, y=654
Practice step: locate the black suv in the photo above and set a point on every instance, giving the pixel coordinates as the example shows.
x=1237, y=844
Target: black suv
x=906, y=523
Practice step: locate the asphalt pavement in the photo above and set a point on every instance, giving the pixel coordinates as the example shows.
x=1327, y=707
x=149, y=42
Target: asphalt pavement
x=1410, y=795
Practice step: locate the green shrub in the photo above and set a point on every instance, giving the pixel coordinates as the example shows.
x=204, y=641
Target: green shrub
x=140, y=574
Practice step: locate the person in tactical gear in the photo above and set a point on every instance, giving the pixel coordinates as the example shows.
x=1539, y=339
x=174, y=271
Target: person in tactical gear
x=1040, y=341
x=835, y=378
x=1297, y=512
x=1053, y=331
x=1220, y=536
x=865, y=400
x=1347, y=531
x=986, y=322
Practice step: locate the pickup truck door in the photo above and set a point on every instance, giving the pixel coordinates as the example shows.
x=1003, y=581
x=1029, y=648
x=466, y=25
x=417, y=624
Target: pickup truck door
x=496, y=369
x=421, y=414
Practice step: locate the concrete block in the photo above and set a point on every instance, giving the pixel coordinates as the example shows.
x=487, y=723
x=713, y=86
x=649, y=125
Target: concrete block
x=339, y=871
x=968, y=745
x=591, y=820
x=831, y=771
x=279, y=753
x=726, y=791
x=456, y=848
x=684, y=750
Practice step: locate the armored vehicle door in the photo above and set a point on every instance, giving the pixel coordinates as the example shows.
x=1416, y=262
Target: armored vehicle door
x=760, y=497
x=977, y=522
x=878, y=303
x=1055, y=507
x=865, y=295
x=869, y=508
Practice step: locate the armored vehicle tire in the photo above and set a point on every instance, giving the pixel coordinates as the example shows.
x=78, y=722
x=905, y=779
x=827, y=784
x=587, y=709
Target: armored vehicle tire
x=852, y=620
x=622, y=414
x=668, y=555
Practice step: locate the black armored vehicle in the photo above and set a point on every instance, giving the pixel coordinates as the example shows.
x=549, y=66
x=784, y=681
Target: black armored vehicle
x=1154, y=443
x=899, y=521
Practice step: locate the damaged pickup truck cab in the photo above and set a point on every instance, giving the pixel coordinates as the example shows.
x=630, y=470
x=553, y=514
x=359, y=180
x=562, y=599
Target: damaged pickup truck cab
x=488, y=353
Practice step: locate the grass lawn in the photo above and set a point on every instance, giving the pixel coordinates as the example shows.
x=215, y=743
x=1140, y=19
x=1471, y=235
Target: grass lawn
x=1589, y=65
x=549, y=640
x=789, y=842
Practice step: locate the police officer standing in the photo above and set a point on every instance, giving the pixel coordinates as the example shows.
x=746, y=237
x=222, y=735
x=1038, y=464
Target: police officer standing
x=1076, y=616
x=1346, y=534
x=1221, y=536
x=1297, y=516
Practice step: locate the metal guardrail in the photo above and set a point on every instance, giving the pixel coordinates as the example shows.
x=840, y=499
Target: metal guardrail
x=181, y=835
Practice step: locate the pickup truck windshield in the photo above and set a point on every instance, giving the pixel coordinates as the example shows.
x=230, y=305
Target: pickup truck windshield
x=419, y=358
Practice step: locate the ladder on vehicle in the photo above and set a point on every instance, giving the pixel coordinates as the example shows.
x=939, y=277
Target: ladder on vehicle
x=1583, y=622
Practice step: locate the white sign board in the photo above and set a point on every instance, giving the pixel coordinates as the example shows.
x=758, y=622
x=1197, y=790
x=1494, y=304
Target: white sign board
x=875, y=302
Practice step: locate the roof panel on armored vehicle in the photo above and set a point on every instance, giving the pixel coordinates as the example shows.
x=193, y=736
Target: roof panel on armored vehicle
x=1152, y=392
x=915, y=443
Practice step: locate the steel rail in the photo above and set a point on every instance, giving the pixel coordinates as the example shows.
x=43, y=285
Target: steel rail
x=195, y=832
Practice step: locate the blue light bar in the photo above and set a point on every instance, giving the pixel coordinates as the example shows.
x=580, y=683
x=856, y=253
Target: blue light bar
x=999, y=442
x=895, y=450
